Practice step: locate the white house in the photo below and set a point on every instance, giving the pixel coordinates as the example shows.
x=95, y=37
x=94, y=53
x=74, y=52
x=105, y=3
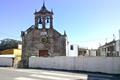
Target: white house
x=110, y=49
x=71, y=50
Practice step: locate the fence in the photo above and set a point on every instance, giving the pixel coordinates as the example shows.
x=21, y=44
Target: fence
x=93, y=64
x=5, y=62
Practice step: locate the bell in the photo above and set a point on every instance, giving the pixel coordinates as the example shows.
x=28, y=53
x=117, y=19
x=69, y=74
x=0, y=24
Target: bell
x=47, y=20
x=40, y=21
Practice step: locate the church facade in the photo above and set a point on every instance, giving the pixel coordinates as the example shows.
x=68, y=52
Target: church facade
x=40, y=41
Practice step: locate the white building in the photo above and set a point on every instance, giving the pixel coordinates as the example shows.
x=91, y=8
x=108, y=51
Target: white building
x=118, y=47
x=110, y=49
x=93, y=52
x=19, y=46
x=71, y=50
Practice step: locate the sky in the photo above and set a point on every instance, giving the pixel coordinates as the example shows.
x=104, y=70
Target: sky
x=88, y=23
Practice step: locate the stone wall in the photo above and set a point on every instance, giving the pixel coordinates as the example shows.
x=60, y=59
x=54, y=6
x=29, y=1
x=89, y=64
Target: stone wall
x=37, y=39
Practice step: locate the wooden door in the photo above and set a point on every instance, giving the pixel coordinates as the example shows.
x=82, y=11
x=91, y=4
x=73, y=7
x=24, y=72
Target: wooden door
x=43, y=53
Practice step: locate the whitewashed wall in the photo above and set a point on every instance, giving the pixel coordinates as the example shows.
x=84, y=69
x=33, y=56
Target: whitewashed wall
x=5, y=61
x=92, y=52
x=74, y=52
x=93, y=64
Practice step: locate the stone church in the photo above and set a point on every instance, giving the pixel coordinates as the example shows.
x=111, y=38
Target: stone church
x=41, y=41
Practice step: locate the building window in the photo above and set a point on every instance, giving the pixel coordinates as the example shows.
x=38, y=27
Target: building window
x=71, y=47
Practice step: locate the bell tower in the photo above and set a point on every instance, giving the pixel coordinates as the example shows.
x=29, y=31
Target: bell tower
x=43, y=17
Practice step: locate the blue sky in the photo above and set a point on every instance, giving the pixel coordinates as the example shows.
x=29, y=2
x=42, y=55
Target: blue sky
x=87, y=22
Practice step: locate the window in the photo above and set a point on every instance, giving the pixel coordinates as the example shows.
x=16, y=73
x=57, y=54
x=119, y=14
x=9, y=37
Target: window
x=71, y=47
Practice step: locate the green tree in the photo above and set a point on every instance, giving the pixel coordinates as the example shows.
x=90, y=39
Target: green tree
x=9, y=44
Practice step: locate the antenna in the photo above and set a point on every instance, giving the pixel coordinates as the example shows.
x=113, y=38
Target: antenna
x=113, y=37
x=99, y=44
x=106, y=40
x=119, y=34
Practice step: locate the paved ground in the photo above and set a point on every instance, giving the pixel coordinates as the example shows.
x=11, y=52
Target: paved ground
x=33, y=74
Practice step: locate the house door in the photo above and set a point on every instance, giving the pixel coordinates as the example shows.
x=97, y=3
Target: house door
x=43, y=53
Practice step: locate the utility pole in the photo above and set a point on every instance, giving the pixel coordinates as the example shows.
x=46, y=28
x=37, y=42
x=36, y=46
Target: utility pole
x=119, y=42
